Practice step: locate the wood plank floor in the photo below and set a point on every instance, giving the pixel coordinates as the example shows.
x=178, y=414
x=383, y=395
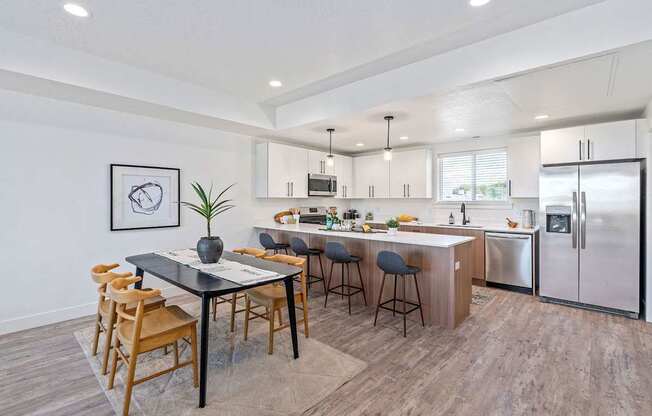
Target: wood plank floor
x=513, y=356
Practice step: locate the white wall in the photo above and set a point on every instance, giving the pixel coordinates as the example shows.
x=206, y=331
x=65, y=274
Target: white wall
x=429, y=211
x=54, y=201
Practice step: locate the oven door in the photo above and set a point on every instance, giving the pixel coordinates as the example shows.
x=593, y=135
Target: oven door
x=322, y=185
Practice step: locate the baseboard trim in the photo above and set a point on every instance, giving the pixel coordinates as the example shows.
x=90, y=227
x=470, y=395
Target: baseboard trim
x=64, y=314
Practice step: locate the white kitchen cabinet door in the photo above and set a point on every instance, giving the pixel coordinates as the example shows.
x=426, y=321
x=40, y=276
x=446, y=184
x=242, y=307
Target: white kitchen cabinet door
x=411, y=174
x=371, y=176
x=523, y=165
x=563, y=146
x=317, y=163
x=297, y=161
x=281, y=171
x=610, y=141
x=343, y=169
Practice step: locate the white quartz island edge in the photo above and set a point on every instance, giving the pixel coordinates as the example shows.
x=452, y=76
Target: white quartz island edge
x=401, y=237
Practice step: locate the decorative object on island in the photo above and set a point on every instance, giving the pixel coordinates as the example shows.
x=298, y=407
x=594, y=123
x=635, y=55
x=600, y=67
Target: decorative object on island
x=387, y=154
x=144, y=197
x=279, y=217
x=392, y=226
x=209, y=248
x=296, y=216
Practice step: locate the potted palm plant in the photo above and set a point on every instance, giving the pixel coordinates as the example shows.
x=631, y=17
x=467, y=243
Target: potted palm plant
x=209, y=248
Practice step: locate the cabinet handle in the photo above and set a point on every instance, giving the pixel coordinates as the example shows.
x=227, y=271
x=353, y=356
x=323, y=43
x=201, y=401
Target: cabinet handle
x=509, y=184
x=403, y=190
x=588, y=149
x=292, y=188
x=287, y=192
x=373, y=191
x=408, y=190
x=580, y=143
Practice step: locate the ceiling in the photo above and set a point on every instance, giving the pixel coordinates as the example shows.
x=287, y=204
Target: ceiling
x=237, y=46
x=611, y=86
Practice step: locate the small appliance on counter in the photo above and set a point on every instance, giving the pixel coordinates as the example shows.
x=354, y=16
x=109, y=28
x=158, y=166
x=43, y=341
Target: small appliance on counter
x=528, y=218
x=312, y=215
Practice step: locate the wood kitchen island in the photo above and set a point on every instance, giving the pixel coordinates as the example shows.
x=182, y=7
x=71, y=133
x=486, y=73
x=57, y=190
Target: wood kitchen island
x=445, y=261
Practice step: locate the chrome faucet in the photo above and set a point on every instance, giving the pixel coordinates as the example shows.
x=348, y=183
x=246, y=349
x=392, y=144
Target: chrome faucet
x=465, y=219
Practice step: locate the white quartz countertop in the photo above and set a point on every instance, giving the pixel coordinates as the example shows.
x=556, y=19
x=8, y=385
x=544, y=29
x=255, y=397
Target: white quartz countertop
x=401, y=237
x=480, y=227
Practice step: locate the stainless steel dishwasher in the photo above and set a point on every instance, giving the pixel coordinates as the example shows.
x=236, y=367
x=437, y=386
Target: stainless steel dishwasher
x=509, y=259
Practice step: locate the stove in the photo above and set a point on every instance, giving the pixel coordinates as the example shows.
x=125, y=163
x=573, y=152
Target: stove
x=313, y=215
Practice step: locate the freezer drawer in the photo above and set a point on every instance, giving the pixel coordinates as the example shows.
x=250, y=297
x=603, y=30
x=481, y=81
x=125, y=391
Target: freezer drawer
x=509, y=259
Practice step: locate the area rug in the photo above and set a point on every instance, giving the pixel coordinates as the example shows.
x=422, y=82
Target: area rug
x=242, y=378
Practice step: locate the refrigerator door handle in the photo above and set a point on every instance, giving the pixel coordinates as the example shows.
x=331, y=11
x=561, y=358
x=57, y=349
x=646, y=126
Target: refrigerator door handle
x=574, y=220
x=583, y=220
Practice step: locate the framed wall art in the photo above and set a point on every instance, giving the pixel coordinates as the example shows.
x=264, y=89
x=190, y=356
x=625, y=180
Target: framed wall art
x=144, y=197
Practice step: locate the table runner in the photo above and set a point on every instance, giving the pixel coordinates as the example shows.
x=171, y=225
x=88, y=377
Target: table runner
x=230, y=270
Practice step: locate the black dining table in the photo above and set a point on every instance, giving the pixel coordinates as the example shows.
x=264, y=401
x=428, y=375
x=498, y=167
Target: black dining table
x=208, y=286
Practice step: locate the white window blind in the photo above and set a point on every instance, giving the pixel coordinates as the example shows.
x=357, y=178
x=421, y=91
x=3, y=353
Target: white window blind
x=473, y=176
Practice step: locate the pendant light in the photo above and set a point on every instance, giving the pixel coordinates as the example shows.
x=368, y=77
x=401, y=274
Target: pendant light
x=330, y=160
x=388, y=150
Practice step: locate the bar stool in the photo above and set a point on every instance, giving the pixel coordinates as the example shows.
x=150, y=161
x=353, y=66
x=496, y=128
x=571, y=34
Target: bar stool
x=392, y=263
x=268, y=243
x=301, y=249
x=338, y=254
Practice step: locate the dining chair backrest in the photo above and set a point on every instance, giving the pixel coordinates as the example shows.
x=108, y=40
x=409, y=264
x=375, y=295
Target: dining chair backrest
x=391, y=263
x=250, y=251
x=267, y=241
x=102, y=274
x=292, y=261
x=299, y=246
x=337, y=252
x=120, y=293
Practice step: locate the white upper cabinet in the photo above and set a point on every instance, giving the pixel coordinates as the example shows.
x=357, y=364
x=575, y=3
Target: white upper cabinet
x=281, y=171
x=562, y=146
x=344, y=171
x=523, y=168
x=411, y=174
x=317, y=163
x=597, y=142
x=609, y=141
x=370, y=176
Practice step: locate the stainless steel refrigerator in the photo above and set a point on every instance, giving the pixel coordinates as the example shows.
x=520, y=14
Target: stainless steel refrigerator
x=590, y=245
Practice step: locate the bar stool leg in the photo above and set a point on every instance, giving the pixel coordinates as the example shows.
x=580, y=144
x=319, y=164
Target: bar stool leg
x=348, y=285
x=416, y=284
x=309, y=278
x=404, y=314
x=323, y=275
x=361, y=283
x=380, y=297
x=328, y=285
x=394, y=302
x=342, y=288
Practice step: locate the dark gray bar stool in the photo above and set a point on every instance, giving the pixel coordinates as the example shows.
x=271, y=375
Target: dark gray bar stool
x=300, y=248
x=338, y=254
x=392, y=263
x=268, y=243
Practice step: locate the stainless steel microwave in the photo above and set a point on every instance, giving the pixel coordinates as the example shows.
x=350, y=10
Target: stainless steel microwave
x=322, y=185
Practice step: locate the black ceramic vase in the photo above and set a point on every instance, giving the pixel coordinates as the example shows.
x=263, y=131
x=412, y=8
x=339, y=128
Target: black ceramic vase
x=210, y=249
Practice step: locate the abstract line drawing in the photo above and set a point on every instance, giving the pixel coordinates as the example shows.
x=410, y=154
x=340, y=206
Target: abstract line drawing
x=146, y=198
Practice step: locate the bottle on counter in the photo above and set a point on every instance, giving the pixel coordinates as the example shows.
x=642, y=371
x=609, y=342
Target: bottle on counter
x=451, y=219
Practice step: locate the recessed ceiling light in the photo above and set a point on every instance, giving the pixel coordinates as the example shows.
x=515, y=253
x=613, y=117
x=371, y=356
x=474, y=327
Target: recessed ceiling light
x=541, y=117
x=359, y=144
x=75, y=10
x=460, y=130
x=478, y=3
x=275, y=83
x=403, y=138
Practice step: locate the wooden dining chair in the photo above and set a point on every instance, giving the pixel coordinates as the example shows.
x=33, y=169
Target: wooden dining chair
x=273, y=298
x=218, y=300
x=102, y=274
x=141, y=331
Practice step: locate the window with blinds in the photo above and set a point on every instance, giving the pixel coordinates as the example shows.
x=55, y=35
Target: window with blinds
x=473, y=176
